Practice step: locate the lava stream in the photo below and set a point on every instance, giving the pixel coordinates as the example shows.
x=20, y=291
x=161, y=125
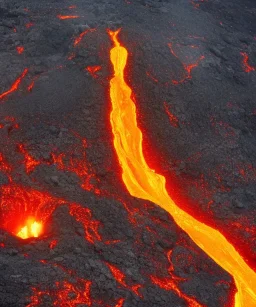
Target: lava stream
x=145, y=183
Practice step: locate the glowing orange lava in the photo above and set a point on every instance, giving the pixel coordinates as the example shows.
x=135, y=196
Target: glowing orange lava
x=120, y=302
x=31, y=229
x=143, y=182
x=24, y=211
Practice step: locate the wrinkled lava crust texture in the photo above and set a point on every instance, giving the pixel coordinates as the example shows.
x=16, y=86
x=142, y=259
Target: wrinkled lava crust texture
x=192, y=69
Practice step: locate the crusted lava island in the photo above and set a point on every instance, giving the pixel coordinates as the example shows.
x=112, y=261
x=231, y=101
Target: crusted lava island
x=128, y=153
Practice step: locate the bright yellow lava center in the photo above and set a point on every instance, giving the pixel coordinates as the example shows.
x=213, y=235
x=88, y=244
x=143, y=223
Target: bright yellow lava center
x=143, y=182
x=31, y=229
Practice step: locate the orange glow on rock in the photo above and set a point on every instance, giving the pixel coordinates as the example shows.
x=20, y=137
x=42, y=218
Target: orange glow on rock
x=20, y=49
x=31, y=229
x=171, y=284
x=143, y=182
x=247, y=67
x=91, y=227
x=29, y=25
x=78, y=39
x=63, y=17
x=120, y=278
x=31, y=85
x=93, y=70
x=120, y=302
x=65, y=294
x=187, y=67
x=15, y=85
x=53, y=243
x=29, y=162
x=173, y=119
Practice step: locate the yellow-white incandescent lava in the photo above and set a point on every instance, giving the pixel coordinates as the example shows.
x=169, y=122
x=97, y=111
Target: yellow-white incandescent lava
x=145, y=183
x=31, y=229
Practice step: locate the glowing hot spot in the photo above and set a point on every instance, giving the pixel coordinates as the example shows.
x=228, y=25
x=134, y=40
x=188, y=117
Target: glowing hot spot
x=31, y=229
x=64, y=17
x=143, y=182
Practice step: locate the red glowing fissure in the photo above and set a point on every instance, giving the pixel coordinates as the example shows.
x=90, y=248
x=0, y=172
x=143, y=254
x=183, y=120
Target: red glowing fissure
x=29, y=162
x=20, y=49
x=84, y=216
x=196, y=3
x=64, y=17
x=173, y=119
x=171, y=284
x=15, y=85
x=187, y=67
x=245, y=62
x=93, y=70
x=120, y=278
x=29, y=25
x=120, y=302
x=81, y=294
x=78, y=39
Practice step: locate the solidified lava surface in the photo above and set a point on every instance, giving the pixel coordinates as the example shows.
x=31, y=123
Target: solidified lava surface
x=192, y=68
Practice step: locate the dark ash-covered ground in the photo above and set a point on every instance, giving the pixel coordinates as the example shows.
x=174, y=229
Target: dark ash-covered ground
x=192, y=67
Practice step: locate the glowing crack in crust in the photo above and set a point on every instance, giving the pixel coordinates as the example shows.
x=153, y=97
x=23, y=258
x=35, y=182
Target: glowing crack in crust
x=143, y=182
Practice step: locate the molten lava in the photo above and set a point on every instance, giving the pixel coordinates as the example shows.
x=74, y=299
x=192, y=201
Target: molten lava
x=143, y=182
x=24, y=211
x=31, y=229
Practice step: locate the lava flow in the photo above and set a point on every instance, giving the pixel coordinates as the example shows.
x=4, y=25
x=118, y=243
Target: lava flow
x=143, y=182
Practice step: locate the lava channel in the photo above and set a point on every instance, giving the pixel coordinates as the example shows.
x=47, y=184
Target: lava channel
x=143, y=182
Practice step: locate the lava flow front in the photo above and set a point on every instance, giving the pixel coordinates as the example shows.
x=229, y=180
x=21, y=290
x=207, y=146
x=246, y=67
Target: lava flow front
x=145, y=183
